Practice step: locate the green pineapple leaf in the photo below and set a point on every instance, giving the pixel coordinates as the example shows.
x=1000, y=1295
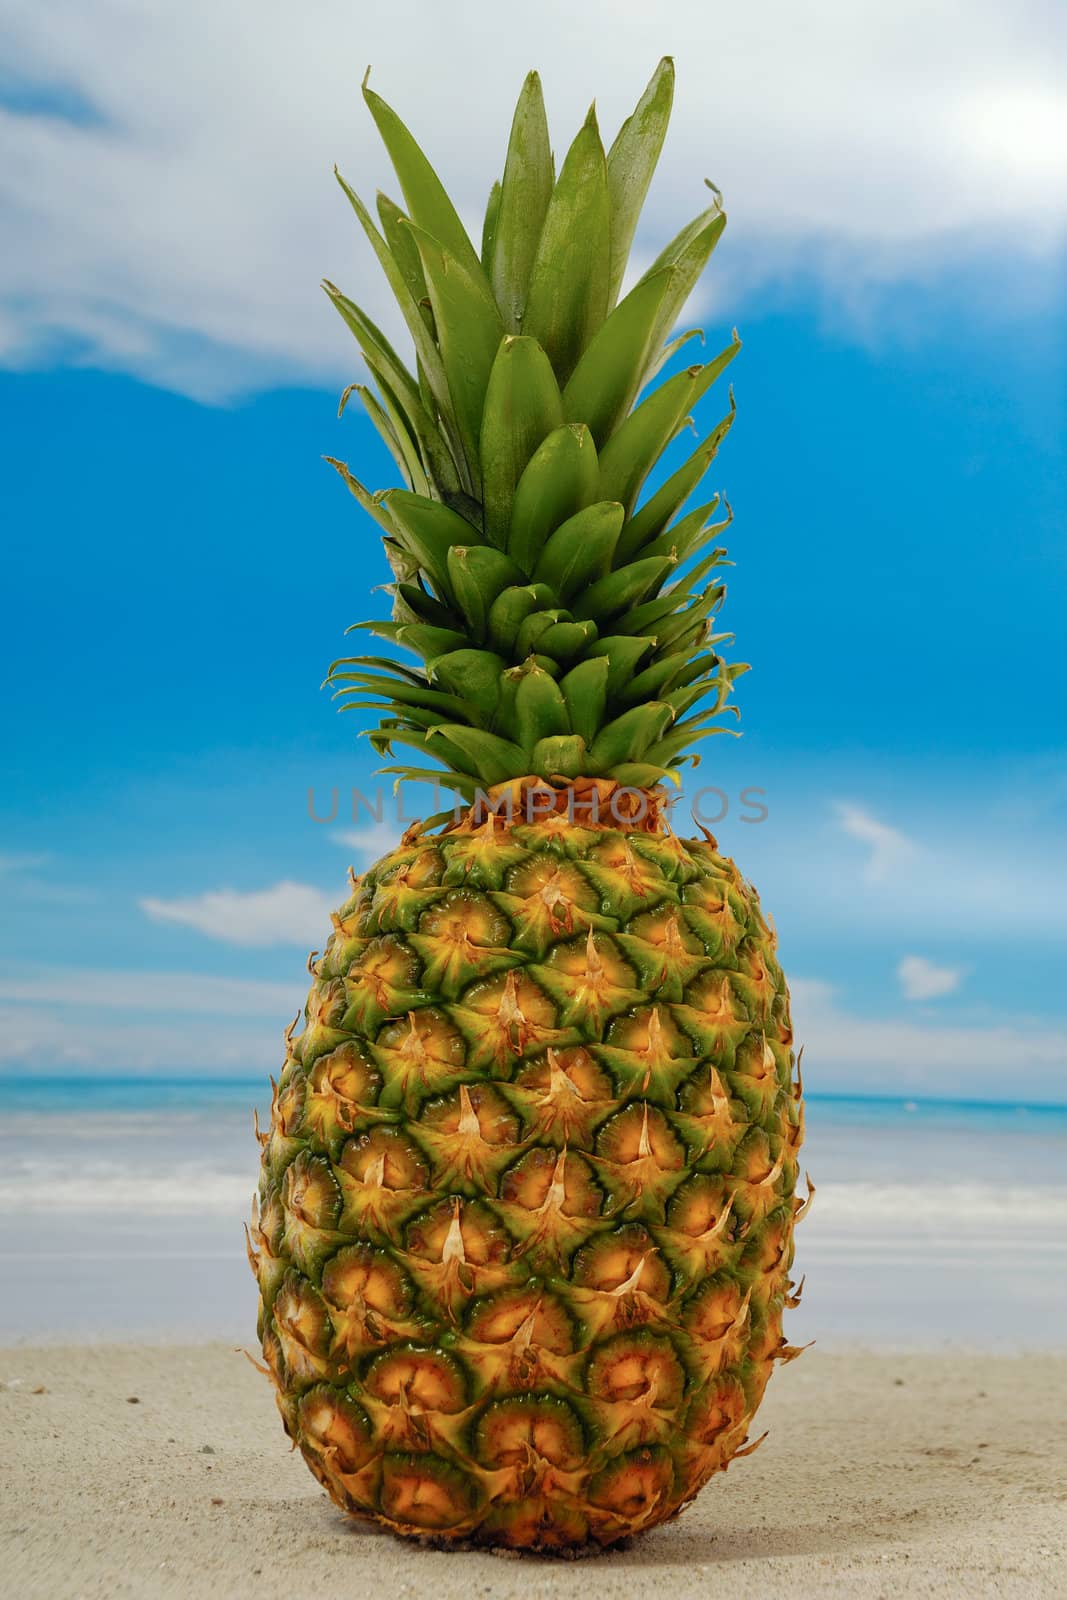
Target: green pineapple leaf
x=623, y=656
x=428, y=531
x=509, y=611
x=559, y=756
x=522, y=406
x=632, y=452
x=568, y=297
x=581, y=549
x=585, y=694
x=631, y=162
x=372, y=504
x=424, y=194
x=630, y=736
x=427, y=354
x=469, y=330
x=404, y=250
x=525, y=192
x=476, y=574
x=492, y=213
x=484, y=755
x=474, y=675
x=660, y=507
x=540, y=709
x=620, y=590
x=560, y=479
x=605, y=383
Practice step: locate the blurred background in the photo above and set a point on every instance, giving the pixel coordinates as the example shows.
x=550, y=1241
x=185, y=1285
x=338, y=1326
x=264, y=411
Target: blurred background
x=181, y=564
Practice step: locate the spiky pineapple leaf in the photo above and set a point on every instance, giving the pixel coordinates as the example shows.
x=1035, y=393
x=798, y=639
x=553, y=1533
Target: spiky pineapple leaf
x=484, y=755
x=522, y=406
x=585, y=694
x=687, y=254
x=372, y=504
x=427, y=353
x=404, y=250
x=492, y=212
x=560, y=479
x=632, y=452
x=623, y=588
x=623, y=655
x=474, y=675
x=659, y=508
x=568, y=298
x=630, y=736
x=469, y=331
x=401, y=448
x=631, y=162
x=424, y=193
x=559, y=756
x=509, y=611
x=428, y=530
x=581, y=549
x=476, y=574
x=540, y=709
x=525, y=191
x=605, y=383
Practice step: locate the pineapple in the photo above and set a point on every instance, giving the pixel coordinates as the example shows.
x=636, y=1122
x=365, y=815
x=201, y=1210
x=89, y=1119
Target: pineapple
x=525, y=1221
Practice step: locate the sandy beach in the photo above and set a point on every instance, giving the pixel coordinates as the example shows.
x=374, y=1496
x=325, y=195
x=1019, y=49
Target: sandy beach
x=144, y=1471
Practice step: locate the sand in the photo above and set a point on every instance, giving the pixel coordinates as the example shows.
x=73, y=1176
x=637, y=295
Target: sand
x=145, y=1471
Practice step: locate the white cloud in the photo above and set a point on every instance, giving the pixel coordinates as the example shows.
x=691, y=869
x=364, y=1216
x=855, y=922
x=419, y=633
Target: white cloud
x=59, y=1039
x=93, y=1020
x=287, y=913
x=370, y=843
x=921, y=979
x=1017, y=1058
x=889, y=848
x=180, y=233
x=160, y=992
x=959, y=861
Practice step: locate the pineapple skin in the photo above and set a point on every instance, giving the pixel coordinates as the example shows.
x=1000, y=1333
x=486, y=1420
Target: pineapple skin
x=525, y=1220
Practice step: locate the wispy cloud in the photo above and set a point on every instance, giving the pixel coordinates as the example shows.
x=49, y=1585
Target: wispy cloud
x=33, y=1039
x=99, y=1020
x=889, y=848
x=229, y=217
x=368, y=844
x=921, y=979
x=162, y=992
x=1014, y=1059
x=287, y=913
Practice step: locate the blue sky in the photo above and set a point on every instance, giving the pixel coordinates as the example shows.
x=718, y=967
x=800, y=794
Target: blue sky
x=183, y=563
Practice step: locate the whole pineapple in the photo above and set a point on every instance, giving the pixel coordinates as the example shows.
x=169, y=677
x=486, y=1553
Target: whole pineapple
x=524, y=1227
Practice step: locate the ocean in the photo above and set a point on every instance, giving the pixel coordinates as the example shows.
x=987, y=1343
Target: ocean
x=934, y=1223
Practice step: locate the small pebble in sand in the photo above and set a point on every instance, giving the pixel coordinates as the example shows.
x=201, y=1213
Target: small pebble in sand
x=207, y=1450
x=40, y=1389
x=133, y=1400
x=216, y=1502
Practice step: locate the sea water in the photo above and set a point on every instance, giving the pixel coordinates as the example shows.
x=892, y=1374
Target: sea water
x=933, y=1222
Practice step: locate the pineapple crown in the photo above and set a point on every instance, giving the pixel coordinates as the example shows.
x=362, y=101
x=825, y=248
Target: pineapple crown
x=555, y=636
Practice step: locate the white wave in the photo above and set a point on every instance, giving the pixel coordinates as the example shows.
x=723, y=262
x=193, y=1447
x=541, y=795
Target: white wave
x=936, y=1207
x=124, y=1193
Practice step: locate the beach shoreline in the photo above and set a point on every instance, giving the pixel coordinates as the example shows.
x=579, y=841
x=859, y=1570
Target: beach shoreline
x=147, y=1469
